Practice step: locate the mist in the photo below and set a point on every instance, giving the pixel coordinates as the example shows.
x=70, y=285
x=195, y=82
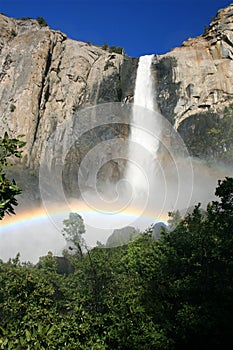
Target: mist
x=160, y=177
x=113, y=208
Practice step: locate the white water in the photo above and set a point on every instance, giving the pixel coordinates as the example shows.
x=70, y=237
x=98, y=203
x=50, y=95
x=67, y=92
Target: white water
x=143, y=141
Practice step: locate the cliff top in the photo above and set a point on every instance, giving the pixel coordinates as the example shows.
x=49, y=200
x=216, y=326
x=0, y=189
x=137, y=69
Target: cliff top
x=219, y=27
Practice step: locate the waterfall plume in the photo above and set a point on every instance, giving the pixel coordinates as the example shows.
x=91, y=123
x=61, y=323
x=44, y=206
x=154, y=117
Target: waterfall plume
x=143, y=140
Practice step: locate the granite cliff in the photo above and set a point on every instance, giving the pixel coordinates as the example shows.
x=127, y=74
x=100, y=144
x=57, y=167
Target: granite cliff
x=45, y=78
x=195, y=91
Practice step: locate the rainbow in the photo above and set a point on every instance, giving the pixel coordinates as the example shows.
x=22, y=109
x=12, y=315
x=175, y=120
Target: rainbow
x=56, y=213
x=35, y=231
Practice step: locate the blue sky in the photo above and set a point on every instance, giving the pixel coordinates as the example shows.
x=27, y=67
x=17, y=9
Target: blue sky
x=140, y=26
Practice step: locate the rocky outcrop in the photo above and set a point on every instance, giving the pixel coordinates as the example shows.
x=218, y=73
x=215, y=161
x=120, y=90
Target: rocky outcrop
x=194, y=83
x=122, y=236
x=158, y=229
x=46, y=77
x=197, y=76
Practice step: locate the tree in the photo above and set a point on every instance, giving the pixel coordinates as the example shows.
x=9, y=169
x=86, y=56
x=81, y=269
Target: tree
x=37, y=313
x=8, y=188
x=105, y=46
x=172, y=293
x=225, y=192
x=42, y=22
x=195, y=272
x=116, y=49
x=73, y=230
x=174, y=219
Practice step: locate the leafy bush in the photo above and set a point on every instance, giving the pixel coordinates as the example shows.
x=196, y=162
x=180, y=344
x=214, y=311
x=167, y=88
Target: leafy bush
x=171, y=294
x=8, y=189
x=12, y=107
x=116, y=49
x=105, y=46
x=109, y=64
x=209, y=135
x=13, y=32
x=42, y=22
x=75, y=107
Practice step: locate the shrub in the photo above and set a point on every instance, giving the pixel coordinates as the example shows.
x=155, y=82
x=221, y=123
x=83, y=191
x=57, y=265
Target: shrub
x=75, y=107
x=206, y=29
x=13, y=32
x=105, y=46
x=116, y=49
x=12, y=108
x=109, y=64
x=42, y=22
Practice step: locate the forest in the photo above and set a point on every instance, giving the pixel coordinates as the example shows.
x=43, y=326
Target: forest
x=170, y=293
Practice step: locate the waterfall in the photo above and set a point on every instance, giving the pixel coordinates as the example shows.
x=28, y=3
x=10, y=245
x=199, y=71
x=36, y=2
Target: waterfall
x=144, y=92
x=143, y=143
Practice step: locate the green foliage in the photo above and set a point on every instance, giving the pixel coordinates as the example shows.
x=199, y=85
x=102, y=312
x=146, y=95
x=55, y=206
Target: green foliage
x=109, y=64
x=13, y=32
x=210, y=136
x=25, y=18
x=32, y=316
x=75, y=107
x=225, y=192
x=42, y=22
x=58, y=70
x=12, y=108
x=172, y=293
x=8, y=189
x=198, y=266
x=206, y=29
x=174, y=219
x=115, y=49
x=105, y=46
x=73, y=230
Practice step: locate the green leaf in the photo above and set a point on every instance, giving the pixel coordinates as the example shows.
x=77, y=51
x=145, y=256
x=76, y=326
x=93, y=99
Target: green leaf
x=28, y=335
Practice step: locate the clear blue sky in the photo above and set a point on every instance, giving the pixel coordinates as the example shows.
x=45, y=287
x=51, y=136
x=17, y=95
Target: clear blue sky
x=140, y=26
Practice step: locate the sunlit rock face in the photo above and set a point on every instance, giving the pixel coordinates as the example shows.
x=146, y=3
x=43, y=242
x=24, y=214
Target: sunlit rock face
x=194, y=84
x=122, y=236
x=47, y=78
x=199, y=73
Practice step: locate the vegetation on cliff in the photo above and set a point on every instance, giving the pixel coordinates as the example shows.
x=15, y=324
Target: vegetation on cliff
x=209, y=135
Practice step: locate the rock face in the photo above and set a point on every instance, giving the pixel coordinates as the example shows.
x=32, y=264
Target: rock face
x=194, y=83
x=199, y=73
x=122, y=236
x=47, y=78
x=157, y=229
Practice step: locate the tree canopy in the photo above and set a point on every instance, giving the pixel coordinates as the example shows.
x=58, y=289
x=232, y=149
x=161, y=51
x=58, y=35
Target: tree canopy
x=9, y=147
x=171, y=293
x=73, y=230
